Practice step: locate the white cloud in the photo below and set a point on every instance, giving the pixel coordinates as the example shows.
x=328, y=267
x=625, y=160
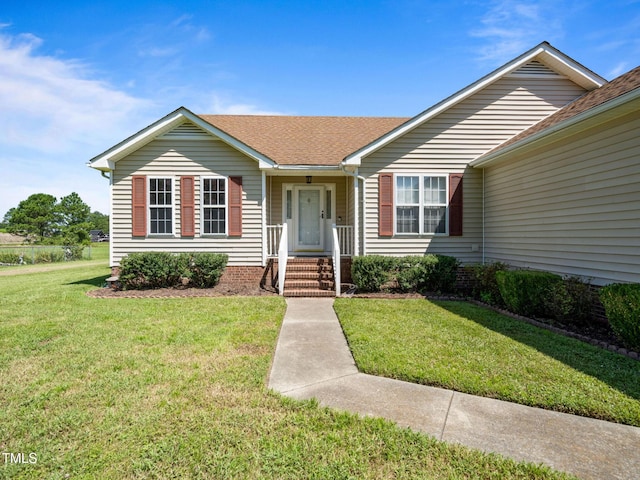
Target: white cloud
x=221, y=106
x=53, y=119
x=513, y=26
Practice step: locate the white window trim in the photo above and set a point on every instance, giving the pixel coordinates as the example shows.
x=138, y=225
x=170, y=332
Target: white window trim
x=173, y=206
x=421, y=205
x=203, y=206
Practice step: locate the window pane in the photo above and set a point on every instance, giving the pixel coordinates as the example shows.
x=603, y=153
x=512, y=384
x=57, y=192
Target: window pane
x=408, y=192
x=435, y=191
x=407, y=219
x=435, y=219
x=214, y=220
x=289, y=204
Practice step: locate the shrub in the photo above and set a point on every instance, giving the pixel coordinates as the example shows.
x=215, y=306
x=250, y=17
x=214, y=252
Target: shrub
x=166, y=270
x=413, y=273
x=444, y=274
x=570, y=301
x=73, y=252
x=11, y=258
x=524, y=291
x=150, y=270
x=485, y=286
x=622, y=305
x=371, y=272
x=205, y=269
x=49, y=256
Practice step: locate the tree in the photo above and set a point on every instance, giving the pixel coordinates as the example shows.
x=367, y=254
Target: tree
x=99, y=221
x=72, y=210
x=34, y=217
x=42, y=219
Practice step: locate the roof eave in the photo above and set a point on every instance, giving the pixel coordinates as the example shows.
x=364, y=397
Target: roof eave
x=575, y=121
x=559, y=61
x=106, y=161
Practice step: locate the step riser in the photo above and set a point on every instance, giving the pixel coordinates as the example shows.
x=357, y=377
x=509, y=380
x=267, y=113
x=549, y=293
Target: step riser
x=309, y=277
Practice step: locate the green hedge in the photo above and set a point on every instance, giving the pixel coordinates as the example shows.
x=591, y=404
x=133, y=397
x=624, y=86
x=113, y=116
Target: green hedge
x=428, y=273
x=371, y=272
x=485, y=285
x=571, y=301
x=205, y=269
x=525, y=292
x=622, y=306
x=148, y=270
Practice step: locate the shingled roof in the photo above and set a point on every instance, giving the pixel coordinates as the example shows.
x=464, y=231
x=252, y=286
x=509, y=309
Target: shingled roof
x=617, y=87
x=299, y=140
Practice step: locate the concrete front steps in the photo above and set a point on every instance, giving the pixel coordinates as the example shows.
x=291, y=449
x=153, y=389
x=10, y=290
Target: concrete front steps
x=309, y=277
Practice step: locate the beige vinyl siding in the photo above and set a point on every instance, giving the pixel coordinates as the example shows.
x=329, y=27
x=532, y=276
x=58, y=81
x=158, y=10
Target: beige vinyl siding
x=447, y=143
x=200, y=158
x=573, y=208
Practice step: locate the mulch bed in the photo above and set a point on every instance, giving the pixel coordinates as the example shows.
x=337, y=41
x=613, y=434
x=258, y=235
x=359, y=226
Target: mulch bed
x=220, y=290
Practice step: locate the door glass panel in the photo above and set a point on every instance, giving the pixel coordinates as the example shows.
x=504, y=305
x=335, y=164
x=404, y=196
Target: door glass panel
x=309, y=217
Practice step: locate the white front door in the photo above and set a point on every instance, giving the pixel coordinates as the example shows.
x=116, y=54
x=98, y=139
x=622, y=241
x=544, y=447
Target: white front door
x=309, y=215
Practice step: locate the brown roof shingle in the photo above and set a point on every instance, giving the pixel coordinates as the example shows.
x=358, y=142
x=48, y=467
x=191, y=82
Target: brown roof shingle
x=299, y=140
x=619, y=86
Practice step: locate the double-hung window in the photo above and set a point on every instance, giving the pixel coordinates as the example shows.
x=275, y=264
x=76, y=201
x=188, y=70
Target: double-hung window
x=214, y=205
x=160, y=206
x=421, y=204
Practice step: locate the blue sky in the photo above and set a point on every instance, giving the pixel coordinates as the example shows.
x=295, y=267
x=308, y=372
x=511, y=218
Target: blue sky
x=77, y=77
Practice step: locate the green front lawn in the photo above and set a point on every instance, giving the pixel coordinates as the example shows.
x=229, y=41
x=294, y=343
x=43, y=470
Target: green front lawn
x=471, y=349
x=175, y=388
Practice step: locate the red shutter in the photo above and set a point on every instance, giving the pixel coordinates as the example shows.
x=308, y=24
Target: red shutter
x=385, y=204
x=139, y=205
x=187, y=206
x=455, y=204
x=235, y=206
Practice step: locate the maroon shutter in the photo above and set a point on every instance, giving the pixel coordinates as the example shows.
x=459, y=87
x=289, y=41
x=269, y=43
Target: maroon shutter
x=139, y=205
x=235, y=206
x=187, y=206
x=455, y=204
x=385, y=204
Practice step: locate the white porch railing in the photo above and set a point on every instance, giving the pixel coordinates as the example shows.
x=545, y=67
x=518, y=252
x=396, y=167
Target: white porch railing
x=283, y=255
x=336, y=258
x=274, y=232
x=345, y=239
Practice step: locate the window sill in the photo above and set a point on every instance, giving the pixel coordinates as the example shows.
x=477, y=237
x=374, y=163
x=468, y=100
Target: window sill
x=421, y=235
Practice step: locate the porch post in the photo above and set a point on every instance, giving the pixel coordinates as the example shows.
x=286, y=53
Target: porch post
x=264, y=218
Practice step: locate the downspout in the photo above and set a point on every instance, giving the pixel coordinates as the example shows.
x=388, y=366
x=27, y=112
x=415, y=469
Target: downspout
x=264, y=218
x=483, y=260
x=109, y=176
x=356, y=210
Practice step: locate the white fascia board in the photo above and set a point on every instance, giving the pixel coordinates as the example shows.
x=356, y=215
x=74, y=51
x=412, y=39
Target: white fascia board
x=571, y=69
x=605, y=111
x=264, y=162
x=562, y=63
x=106, y=161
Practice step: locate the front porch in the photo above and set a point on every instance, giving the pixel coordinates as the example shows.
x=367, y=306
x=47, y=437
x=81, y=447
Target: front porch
x=307, y=274
x=310, y=231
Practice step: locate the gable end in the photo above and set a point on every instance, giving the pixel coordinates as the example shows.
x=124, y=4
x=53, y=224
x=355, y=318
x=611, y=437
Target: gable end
x=187, y=131
x=535, y=69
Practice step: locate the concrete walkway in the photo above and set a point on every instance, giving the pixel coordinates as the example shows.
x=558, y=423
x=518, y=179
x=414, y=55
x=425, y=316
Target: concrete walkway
x=312, y=359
